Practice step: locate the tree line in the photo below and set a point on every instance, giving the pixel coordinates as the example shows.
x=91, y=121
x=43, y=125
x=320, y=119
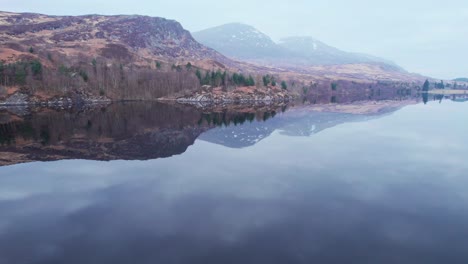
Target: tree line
x=108, y=77
x=99, y=77
x=218, y=78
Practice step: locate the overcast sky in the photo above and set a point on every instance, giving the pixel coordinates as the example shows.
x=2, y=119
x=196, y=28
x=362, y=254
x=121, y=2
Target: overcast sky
x=424, y=36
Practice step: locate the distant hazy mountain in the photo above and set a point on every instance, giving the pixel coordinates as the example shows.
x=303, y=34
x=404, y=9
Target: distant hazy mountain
x=247, y=43
x=318, y=53
x=240, y=41
x=461, y=79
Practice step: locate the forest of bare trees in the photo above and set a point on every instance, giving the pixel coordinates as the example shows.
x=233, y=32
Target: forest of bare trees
x=99, y=77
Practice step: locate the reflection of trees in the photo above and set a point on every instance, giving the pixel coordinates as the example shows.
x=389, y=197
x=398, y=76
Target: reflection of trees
x=439, y=97
x=121, y=131
x=350, y=91
x=10, y=131
x=118, y=121
x=229, y=118
x=425, y=97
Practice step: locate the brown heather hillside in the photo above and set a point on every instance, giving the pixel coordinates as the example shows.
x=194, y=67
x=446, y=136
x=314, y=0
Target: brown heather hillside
x=123, y=38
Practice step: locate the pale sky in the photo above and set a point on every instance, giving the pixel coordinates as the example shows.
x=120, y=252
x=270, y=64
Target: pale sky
x=423, y=36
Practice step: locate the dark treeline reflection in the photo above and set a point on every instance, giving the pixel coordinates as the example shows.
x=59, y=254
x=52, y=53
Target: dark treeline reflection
x=347, y=92
x=441, y=97
x=225, y=119
x=120, y=131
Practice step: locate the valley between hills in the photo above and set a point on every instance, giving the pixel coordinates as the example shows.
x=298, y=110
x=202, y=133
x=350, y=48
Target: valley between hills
x=66, y=60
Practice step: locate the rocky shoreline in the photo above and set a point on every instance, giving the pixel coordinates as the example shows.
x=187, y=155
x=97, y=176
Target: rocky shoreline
x=23, y=99
x=204, y=97
x=241, y=95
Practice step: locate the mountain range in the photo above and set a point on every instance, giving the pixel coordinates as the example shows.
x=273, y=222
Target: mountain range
x=244, y=42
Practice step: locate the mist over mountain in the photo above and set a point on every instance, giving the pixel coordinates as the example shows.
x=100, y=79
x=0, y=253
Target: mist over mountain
x=245, y=42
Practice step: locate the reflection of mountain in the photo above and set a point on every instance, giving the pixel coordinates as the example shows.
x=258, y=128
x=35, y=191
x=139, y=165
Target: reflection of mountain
x=307, y=124
x=295, y=122
x=239, y=136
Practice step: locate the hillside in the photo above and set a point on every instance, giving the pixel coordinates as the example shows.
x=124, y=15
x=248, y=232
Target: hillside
x=95, y=56
x=128, y=38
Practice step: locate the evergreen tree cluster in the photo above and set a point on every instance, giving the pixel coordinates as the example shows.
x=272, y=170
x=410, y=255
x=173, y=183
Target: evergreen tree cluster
x=440, y=85
x=213, y=78
x=218, y=78
x=426, y=86
x=268, y=79
x=334, y=86
x=284, y=86
x=240, y=79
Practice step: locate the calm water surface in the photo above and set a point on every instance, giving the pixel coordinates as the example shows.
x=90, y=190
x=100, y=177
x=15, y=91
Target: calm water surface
x=167, y=184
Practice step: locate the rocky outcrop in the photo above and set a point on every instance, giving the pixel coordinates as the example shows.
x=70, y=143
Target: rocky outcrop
x=15, y=99
x=218, y=95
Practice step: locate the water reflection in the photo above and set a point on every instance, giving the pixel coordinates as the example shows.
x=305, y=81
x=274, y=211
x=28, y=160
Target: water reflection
x=384, y=190
x=372, y=185
x=461, y=96
x=143, y=131
x=129, y=131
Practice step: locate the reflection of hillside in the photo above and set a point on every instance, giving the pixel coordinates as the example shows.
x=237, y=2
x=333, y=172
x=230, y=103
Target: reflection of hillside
x=120, y=131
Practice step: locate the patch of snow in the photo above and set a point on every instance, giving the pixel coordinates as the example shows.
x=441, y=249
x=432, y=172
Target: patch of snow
x=315, y=46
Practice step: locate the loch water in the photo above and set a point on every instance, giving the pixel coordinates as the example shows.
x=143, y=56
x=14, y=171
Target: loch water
x=166, y=183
